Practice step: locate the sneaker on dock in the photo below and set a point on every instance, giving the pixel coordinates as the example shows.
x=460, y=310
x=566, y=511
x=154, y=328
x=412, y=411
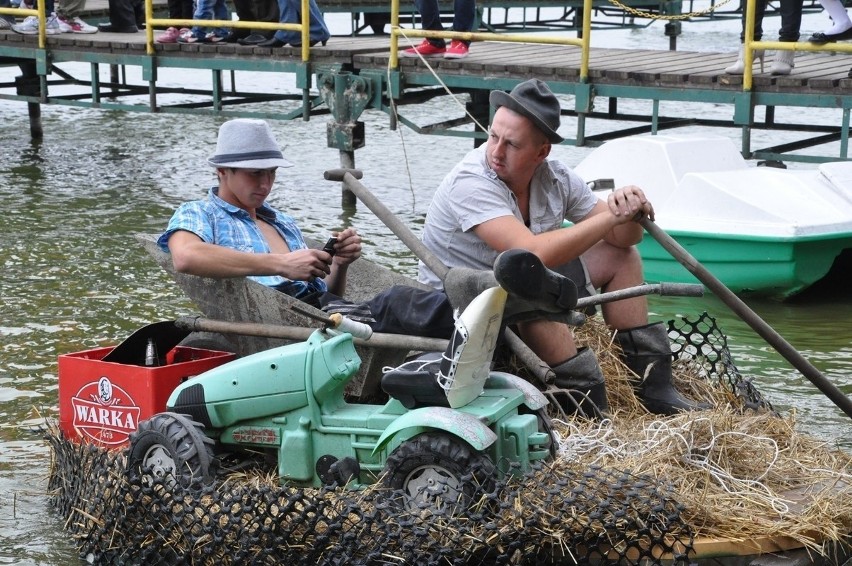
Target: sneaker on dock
x=171, y=35
x=76, y=25
x=456, y=50
x=4, y=23
x=426, y=49
x=30, y=26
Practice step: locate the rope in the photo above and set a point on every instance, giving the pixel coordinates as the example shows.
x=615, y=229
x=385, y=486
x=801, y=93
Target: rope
x=401, y=141
x=438, y=78
x=665, y=437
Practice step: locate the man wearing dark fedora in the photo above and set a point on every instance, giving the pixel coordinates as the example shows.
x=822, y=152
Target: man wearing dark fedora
x=508, y=194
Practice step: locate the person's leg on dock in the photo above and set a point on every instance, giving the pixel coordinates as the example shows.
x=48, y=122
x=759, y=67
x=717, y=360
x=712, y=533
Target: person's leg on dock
x=290, y=13
x=6, y=21
x=245, y=13
x=464, y=14
x=69, y=12
x=53, y=25
x=122, y=17
x=254, y=11
x=139, y=13
x=178, y=10
x=791, y=22
x=208, y=10
x=430, y=19
x=738, y=68
x=841, y=28
x=266, y=11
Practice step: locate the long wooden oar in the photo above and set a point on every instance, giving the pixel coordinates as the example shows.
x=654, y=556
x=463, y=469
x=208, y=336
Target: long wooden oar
x=749, y=316
x=349, y=177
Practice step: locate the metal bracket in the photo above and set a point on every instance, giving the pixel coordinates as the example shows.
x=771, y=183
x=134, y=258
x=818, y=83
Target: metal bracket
x=346, y=96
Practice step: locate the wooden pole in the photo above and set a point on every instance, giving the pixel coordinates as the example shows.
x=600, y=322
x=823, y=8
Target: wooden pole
x=749, y=316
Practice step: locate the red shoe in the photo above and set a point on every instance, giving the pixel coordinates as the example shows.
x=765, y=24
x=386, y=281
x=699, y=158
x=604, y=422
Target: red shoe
x=456, y=50
x=425, y=49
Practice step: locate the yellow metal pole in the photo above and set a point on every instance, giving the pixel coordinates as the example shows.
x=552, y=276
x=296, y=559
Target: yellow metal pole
x=149, y=27
x=306, y=30
x=42, y=26
x=586, y=40
x=394, y=54
x=843, y=47
x=748, y=48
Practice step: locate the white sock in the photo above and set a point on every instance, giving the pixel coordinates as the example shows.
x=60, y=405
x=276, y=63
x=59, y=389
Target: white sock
x=839, y=17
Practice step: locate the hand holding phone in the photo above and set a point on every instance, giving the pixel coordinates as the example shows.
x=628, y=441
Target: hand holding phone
x=329, y=246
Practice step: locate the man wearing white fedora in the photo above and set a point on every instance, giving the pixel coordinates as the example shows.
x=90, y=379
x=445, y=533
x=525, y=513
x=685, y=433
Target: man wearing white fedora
x=234, y=233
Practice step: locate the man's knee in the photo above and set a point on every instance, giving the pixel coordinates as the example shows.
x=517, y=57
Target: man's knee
x=610, y=263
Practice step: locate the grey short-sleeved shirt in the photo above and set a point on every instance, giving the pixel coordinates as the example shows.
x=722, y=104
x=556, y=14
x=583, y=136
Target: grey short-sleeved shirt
x=472, y=194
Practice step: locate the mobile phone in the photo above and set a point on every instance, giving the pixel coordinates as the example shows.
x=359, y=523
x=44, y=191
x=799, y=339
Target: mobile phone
x=329, y=246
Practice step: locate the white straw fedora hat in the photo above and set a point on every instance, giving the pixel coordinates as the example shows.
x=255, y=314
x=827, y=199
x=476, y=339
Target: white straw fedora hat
x=247, y=144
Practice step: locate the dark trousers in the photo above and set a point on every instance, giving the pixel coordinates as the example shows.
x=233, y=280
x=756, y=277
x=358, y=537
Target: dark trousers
x=398, y=310
x=7, y=4
x=180, y=9
x=257, y=11
x=791, y=20
x=464, y=12
x=126, y=13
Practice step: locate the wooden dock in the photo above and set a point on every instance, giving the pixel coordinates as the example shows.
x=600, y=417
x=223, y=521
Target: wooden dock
x=820, y=80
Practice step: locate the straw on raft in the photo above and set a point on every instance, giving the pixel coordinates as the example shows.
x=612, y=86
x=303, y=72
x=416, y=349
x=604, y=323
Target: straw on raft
x=740, y=474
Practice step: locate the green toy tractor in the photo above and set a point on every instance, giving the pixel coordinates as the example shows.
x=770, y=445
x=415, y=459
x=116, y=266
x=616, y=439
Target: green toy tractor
x=449, y=419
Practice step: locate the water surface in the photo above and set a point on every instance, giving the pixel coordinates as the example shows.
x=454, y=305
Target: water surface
x=73, y=276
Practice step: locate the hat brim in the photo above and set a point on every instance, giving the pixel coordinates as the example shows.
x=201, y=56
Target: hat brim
x=498, y=98
x=251, y=163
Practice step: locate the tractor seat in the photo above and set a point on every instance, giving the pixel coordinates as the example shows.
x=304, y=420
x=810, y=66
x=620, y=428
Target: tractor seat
x=415, y=383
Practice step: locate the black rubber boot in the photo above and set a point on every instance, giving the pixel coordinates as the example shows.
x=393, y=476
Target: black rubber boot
x=583, y=378
x=648, y=354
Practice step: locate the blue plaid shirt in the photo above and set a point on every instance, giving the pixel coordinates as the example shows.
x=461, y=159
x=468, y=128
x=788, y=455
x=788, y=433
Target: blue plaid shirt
x=218, y=222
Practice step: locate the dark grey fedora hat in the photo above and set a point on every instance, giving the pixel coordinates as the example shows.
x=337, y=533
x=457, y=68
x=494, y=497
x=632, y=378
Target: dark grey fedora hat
x=534, y=100
x=247, y=144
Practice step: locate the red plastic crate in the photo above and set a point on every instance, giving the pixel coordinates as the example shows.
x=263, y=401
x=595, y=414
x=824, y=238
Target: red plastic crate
x=102, y=402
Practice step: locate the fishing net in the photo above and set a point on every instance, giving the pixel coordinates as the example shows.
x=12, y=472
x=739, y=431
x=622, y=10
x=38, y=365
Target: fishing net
x=546, y=516
x=601, y=499
x=701, y=344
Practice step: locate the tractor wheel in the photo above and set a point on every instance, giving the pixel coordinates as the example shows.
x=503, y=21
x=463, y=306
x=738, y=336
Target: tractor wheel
x=172, y=448
x=438, y=471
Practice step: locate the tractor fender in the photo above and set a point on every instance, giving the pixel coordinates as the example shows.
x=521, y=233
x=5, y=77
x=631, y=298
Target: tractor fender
x=463, y=425
x=533, y=398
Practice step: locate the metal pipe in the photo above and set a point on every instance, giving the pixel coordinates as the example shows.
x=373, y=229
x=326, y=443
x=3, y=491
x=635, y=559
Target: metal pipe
x=390, y=220
x=301, y=333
